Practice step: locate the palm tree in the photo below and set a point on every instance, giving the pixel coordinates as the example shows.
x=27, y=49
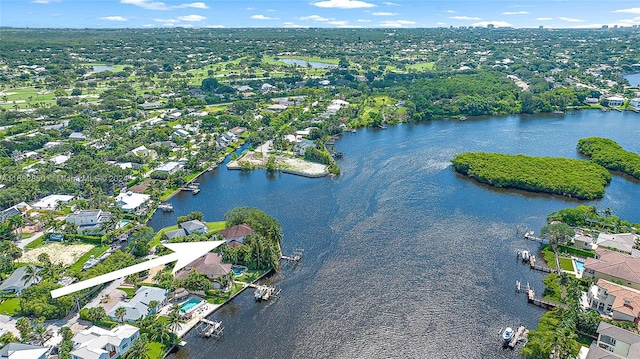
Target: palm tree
x=23, y=325
x=40, y=333
x=139, y=349
x=120, y=313
x=175, y=318
x=30, y=275
x=153, y=306
x=159, y=331
x=17, y=222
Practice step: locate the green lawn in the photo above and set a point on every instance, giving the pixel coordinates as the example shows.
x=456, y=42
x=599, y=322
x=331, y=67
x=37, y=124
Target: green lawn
x=421, y=66
x=155, y=351
x=216, y=226
x=37, y=243
x=95, y=251
x=566, y=264
x=10, y=306
x=130, y=292
x=219, y=299
x=250, y=276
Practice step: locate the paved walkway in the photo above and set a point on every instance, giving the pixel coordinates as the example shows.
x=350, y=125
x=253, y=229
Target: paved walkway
x=23, y=243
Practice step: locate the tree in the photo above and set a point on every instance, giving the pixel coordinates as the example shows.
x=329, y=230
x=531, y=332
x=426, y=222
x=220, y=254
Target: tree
x=175, y=318
x=30, y=275
x=159, y=331
x=8, y=337
x=17, y=222
x=557, y=233
x=139, y=349
x=120, y=313
x=96, y=314
x=139, y=241
x=23, y=324
x=39, y=333
x=153, y=306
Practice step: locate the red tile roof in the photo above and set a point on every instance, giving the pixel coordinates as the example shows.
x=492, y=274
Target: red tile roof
x=614, y=264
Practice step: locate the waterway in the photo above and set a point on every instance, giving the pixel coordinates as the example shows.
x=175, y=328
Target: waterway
x=101, y=68
x=403, y=258
x=634, y=79
x=320, y=65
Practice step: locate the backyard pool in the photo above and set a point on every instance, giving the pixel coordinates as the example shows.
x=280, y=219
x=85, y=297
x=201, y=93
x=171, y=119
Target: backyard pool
x=123, y=223
x=239, y=270
x=188, y=305
x=579, y=265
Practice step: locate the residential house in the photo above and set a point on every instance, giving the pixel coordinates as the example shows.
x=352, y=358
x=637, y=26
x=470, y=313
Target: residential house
x=51, y=144
x=143, y=151
x=623, y=242
x=302, y=146
x=77, y=136
x=194, y=227
x=614, y=266
x=15, y=284
x=169, y=144
x=52, y=202
x=234, y=236
x=24, y=351
x=267, y=88
x=180, y=133
x=150, y=105
x=635, y=103
x=59, y=159
x=584, y=242
x=615, y=101
x=237, y=131
x=131, y=202
x=19, y=209
x=277, y=107
x=90, y=221
x=98, y=343
x=622, y=303
x=176, y=233
x=592, y=100
x=243, y=88
x=170, y=167
x=614, y=342
x=138, y=306
x=209, y=264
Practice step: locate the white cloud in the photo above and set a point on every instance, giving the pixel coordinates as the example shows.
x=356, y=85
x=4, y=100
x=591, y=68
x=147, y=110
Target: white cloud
x=544, y=18
x=390, y=3
x=494, y=23
x=364, y=20
x=294, y=26
x=441, y=23
x=397, y=23
x=251, y=8
x=44, y=1
x=313, y=18
x=515, y=13
x=262, y=17
x=465, y=18
x=450, y=11
x=191, y=18
x=167, y=22
x=343, y=4
x=384, y=13
x=339, y=22
x=159, y=5
x=569, y=19
x=633, y=10
x=215, y=26
x=113, y=18
x=148, y=25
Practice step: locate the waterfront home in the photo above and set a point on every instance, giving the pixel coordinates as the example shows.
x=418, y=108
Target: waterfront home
x=614, y=342
x=301, y=147
x=584, y=242
x=614, y=266
x=234, y=236
x=615, y=101
x=138, y=306
x=622, y=242
x=143, y=151
x=210, y=265
x=89, y=221
x=635, y=103
x=98, y=343
x=170, y=168
x=131, y=202
x=194, y=227
x=52, y=202
x=24, y=351
x=17, y=282
x=77, y=136
x=622, y=303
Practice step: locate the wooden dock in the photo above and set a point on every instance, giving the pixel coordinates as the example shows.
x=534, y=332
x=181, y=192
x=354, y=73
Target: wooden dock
x=265, y=292
x=540, y=267
x=520, y=335
x=296, y=256
x=529, y=236
x=541, y=302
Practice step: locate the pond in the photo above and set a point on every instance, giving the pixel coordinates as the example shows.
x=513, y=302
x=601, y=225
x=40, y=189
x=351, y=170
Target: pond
x=317, y=65
x=100, y=68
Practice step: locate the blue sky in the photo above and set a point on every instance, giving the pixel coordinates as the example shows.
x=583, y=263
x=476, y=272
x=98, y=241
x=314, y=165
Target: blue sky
x=317, y=13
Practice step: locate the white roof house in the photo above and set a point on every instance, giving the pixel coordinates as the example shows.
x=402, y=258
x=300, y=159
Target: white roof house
x=615, y=101
x=52, y=201
x=59, y=159
x=23, y=351
x=138, y=306
x=170, y=167
x=143, y=151
x=635, y=102
x=98, y=343
x=623, y=242
x=131, y=202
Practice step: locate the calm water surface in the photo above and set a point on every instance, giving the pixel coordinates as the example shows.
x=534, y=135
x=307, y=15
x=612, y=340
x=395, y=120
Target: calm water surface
x=313, y=64
x=101, y=68
x=634, y=79
x=403, y=258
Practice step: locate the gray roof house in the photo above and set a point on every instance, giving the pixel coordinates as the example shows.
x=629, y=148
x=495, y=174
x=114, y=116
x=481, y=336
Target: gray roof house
x=15, y=283
x=175, y=233
x=194, y=226
x=89, y=220
x=98, y=343
x=614, y=343
x=78, y=136
x=623, y=242
x=138, y=306
x=23, y=351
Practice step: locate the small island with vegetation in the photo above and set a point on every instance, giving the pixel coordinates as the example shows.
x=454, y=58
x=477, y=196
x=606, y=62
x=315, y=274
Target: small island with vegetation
x=611, y=155
x=567, y=177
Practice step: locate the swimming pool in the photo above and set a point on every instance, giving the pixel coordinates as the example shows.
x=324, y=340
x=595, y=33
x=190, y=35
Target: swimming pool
x=238, y=270
x=123, y=223
x=579, y=265
x=188, y=305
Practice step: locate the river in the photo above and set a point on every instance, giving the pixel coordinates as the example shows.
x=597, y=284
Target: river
x=403, y=258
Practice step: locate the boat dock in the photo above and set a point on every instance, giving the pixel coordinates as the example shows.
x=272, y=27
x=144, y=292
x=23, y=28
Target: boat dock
x=520, y=335
x=166, y=207
x=264, y=292
x=530, y=236
x=541, y=302
x=191, y=188
x=209, y=329
x=540, y=267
